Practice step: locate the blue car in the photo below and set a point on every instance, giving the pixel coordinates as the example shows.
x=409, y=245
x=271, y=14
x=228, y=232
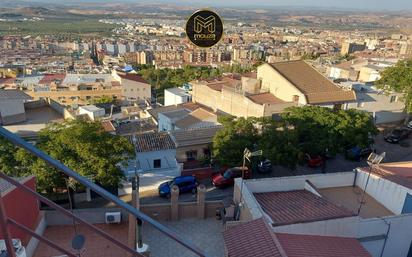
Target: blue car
x=186, y=184
x=356, y=153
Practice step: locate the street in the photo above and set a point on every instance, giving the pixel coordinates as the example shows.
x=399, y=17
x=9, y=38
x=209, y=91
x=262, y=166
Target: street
x=394, y=153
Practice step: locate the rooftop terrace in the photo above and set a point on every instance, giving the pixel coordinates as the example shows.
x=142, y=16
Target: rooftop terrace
x=351, y=197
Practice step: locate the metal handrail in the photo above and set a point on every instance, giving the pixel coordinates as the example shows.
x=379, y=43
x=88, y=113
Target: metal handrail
x=57, y=207
x=16, y=140
x=40, y=238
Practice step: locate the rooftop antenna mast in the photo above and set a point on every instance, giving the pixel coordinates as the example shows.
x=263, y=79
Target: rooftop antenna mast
x=374, y=159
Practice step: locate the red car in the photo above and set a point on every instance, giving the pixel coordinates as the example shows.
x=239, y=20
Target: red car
x=314, y=160
x=228, y=177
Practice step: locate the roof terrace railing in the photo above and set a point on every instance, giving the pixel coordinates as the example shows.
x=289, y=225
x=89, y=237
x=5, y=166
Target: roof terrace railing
x=16, y=140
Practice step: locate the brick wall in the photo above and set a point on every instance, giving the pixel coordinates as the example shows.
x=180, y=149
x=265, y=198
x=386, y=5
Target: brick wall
x=22, y=208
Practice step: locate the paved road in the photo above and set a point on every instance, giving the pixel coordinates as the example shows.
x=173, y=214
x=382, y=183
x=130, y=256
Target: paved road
x=212, y=193
x=394, y=153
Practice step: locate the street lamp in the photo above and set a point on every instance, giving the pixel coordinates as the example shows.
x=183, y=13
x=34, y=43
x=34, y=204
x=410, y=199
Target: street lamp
x=373, y=159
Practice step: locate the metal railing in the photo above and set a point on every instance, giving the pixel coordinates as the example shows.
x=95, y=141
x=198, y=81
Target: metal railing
x=16, y=140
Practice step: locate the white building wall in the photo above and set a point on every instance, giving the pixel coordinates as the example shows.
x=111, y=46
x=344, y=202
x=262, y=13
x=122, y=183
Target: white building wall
x=340, y=179
x=345, y=227
x=9, y=107
x=164, y=123
x=334, y=73
x=174, y=99
x=388, y=193
x=399, y=237
x=250, y=208
x=380, y=106
x=167, y=157
x=135, y=91
x=93, y=115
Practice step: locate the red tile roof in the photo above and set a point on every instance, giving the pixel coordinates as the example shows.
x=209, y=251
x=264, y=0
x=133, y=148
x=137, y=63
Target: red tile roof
x=133, y=77
x=253, y=238
x=299, y=207
x=5, y=81
x=49, y=78
x=265, y=98
x=321, y=246
x=108, y=126
x=154, y=141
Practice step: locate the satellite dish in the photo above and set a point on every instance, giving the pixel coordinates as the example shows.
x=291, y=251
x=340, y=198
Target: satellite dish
x=78, y=242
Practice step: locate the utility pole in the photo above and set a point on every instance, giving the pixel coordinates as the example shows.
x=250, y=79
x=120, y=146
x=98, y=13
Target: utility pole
x=246, y=155
x=140, y=247
x=373, y=160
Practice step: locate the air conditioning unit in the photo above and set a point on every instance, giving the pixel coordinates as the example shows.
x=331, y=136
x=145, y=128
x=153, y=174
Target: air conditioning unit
x=113, y=217
x=18, y=248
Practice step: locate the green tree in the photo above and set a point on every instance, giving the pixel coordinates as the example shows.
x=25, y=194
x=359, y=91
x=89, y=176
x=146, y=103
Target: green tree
x=230, y=142
x=83, y=146
x=278, y=143
x=398, y=78
x=319, y=128
x=103, y=100
x=8, y=162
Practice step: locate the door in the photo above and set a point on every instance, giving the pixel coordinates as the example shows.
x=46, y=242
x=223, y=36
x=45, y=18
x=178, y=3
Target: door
x=407, y=206
x=185, y=187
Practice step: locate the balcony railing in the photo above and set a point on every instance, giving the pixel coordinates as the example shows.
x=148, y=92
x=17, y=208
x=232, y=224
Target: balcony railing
x=5, y=221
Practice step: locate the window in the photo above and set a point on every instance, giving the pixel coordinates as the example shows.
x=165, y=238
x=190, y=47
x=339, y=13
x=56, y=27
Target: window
x=295, y=98
x=394, y=98
x=206, y=152
x=157, y=163
x=191, y=155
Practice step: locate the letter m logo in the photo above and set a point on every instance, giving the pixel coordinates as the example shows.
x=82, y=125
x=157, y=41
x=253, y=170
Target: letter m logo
x=209, y=23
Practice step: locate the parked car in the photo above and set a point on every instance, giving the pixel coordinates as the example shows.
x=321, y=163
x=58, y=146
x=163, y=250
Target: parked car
x=397, y=135
x=265, y=166
x=228, y=177
x=357, y=153
x=186, y=184
x=314, y=160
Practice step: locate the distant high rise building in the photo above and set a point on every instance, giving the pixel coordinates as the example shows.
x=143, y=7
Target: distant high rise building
x=406, y=50
x=349, y=48
x=143, y=58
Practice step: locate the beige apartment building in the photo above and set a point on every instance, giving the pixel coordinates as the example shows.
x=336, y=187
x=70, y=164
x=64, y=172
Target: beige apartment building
x=349, y=48
x=238, y=97
x=298, y=81
x=71, y=89
x=274, y=88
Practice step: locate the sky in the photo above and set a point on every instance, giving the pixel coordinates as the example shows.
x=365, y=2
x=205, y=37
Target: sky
x=344, y=4
x=381, y=5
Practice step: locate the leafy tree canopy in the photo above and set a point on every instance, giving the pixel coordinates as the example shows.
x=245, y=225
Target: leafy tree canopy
x=83, y=146
x=398, y=78
x=277, y=142
x=309, y=129
x=103, y=100
x=162, y=79
x=320, y=129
